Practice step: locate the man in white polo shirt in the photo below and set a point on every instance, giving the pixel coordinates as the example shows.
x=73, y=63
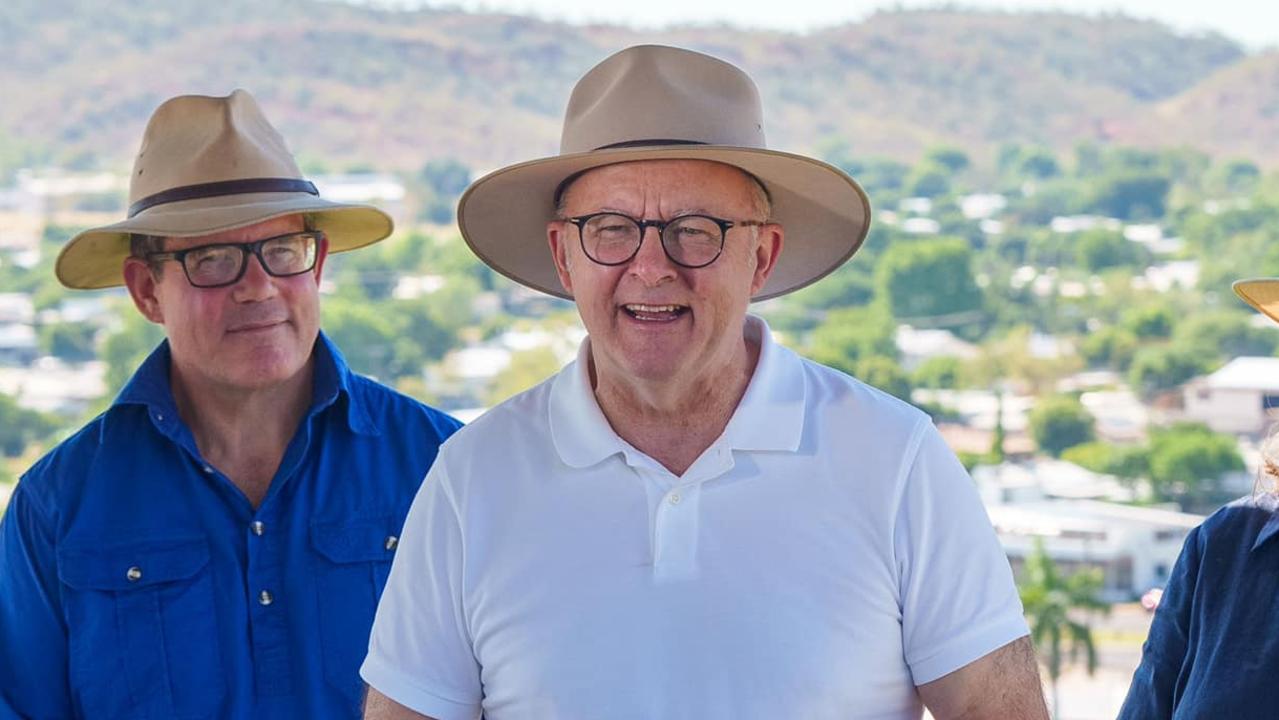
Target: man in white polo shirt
x=690, y=521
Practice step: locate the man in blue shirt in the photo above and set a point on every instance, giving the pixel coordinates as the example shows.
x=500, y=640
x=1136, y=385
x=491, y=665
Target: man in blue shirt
x=215, y=543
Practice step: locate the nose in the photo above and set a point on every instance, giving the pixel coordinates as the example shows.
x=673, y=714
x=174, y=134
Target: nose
x=256, y=284
x=650, y=264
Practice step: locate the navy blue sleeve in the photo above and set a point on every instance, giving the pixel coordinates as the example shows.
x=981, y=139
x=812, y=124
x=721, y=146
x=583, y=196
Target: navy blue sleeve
x=1155, y=688
x=33, y=640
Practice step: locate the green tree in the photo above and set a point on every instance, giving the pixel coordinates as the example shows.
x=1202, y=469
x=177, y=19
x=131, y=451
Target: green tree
x=127, y=346
x=1161, y=368
x=850, y=334
x=1224, y=334
x=1187, y=462
x=72, y=342
x=1058, y=422
x=942, y=371
x=1128, y=462
x=1131, y=195
x=447, y=177
x=886, y=374
x=1097, y=250
x=1109, y=346
x=952, y=158
x=1150, y=321
x=527, y=368
x=1053, y=604
x=20, y=427
x=928, y=279
x=928, y=180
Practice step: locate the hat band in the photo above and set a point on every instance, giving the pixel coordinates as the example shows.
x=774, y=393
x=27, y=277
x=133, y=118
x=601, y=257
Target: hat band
x=646, y=143
x=221, y=188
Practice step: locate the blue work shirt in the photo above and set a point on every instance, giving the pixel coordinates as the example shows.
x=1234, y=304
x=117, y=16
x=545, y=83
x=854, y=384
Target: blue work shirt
x=1213, y=649
x=137, y=581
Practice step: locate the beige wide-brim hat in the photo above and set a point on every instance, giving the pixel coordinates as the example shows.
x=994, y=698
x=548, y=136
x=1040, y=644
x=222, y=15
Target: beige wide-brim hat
x=652, y=102
x=1262, y=294
x=209, y=164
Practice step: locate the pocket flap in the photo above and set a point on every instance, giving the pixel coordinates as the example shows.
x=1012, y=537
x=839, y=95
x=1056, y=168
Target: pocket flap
x=131, y=566
x=367, y=539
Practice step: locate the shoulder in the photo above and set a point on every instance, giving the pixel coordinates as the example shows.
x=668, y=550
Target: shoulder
x=520, y=419
x=64, y=470
x=392, y=410
x=1240, y=521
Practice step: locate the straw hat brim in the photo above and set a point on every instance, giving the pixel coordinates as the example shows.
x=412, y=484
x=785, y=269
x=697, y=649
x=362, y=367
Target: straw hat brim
x=95, y=258
x=1262, y=294
x=823, y=211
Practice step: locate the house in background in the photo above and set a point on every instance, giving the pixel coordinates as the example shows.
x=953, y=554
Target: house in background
x=1241, y=398
x=1134, y=547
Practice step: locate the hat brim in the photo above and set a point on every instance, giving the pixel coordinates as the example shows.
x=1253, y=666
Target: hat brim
x=825, y=213
x=1262, y=294
x=94, y=258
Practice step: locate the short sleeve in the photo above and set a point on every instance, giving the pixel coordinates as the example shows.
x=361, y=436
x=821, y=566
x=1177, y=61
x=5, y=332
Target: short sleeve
x=33, y=640
x=420, y=652
x=958, y=599
x=1154, y=684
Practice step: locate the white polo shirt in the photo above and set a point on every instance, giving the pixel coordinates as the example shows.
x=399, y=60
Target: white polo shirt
x=823, y=557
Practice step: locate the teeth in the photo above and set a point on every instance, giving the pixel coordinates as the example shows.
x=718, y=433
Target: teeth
x=653, y=308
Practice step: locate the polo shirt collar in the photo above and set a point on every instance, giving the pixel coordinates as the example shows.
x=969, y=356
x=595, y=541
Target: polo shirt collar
x=150, y=388
x=769, y=417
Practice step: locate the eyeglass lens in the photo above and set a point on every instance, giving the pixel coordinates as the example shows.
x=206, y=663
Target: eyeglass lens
x=213, y=265
x=692, y=240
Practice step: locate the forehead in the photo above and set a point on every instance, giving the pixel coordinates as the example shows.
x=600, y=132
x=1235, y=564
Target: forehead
x=248, y=233
x=678, y=182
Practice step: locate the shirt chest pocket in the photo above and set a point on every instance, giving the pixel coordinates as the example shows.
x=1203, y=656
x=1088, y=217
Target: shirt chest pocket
x=353, y=558
x=142, y=631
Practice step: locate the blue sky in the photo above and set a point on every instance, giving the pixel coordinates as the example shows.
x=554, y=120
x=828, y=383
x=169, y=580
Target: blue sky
x=1255, y=23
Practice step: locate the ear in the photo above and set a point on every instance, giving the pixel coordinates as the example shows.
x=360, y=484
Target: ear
x=557, y=236
x=769, y=248
x=142, y=283
x=321, y=254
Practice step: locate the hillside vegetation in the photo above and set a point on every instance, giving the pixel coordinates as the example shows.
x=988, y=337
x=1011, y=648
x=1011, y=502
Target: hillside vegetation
x=356, y=85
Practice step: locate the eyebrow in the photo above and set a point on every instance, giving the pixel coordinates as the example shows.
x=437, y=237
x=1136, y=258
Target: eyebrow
x=678, y=213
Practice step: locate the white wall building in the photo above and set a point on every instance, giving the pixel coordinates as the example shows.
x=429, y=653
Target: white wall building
x=1241, y=398
x=1135, y=547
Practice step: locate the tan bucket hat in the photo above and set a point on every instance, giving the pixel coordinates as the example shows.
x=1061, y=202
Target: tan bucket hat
x=1262, y=294
x=209, y=164
x=652, y=102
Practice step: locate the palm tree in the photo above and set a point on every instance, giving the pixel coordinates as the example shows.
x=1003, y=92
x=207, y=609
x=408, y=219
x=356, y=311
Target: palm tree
x=1052, y=604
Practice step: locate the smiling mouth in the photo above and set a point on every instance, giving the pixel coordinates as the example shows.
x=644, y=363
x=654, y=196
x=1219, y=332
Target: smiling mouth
x=654, y=313
x=256, y=326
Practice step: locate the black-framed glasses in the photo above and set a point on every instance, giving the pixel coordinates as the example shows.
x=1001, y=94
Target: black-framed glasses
x=690, y=241
x=222, y=264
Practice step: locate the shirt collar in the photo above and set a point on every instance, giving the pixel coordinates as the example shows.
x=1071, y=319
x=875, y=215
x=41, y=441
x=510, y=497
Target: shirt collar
x=770, y=416
x=1271, y=528
x=149, y=387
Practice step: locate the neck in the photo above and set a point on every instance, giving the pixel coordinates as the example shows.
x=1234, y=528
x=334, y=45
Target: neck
x=243, y=432
x=674, y=422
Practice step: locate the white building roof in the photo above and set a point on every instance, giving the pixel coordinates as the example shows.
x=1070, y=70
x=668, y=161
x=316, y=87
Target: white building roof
x=921, y=226
x=926, y=343
x=16, y=308
x=1246, y=373
x=982, y=205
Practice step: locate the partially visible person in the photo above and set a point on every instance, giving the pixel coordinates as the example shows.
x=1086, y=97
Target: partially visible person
x=690, y=520
x=214, y=544
x=1212, y=651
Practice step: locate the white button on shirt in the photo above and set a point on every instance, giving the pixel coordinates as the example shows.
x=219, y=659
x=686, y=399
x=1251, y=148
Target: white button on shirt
x=825, y=555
